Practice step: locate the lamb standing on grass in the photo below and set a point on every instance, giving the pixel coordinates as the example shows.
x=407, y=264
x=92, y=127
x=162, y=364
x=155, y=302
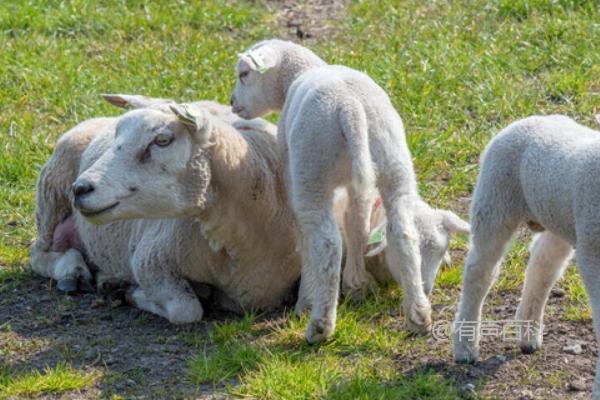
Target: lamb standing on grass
x=339, y=128
x=543, y=171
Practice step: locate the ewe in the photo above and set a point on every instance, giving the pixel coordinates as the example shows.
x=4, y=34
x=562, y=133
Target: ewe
x=222, y=177
x=339, y=128
x=543, y=171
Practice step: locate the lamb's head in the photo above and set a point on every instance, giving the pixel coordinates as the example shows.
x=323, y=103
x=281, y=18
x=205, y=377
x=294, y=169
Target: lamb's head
x=435, y=229
x=157, y=167
x=264, y=74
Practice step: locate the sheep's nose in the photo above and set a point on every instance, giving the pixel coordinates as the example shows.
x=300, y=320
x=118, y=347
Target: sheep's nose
x=232, y=101
x=81, y=188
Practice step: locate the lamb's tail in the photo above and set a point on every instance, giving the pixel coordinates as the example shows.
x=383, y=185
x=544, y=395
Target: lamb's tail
x=354, y=125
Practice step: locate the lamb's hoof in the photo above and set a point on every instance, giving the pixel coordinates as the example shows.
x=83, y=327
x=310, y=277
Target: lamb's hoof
x=419, y=318
x=358, y=291
x=318, y=331
x=530, y=347
x=67, y=286
x=465, y=354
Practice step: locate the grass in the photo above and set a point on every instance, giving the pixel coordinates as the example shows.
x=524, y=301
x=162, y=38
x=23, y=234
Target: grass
x=60, y=379
x=457, y=72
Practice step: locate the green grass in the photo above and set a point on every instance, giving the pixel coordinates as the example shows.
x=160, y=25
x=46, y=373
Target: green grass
x=62, y=378
x=457, y=72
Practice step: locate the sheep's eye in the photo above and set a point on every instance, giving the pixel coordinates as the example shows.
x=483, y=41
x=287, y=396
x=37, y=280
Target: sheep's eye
x=244, y=74
x=163, y=140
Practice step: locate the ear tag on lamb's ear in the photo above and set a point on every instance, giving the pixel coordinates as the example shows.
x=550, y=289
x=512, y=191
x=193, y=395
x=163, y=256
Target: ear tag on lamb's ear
x=377, y=240
x=258, y=60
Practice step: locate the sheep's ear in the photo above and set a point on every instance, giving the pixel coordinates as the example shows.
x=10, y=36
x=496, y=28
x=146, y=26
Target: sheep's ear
x=197, y=121
x=453, y=223
x=134, y=100
x=260, y=60
x=598, y=118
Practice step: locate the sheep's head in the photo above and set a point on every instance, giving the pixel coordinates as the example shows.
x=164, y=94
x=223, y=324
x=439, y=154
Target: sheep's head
x=436, y=228
x=256, y=90
x=157, y=167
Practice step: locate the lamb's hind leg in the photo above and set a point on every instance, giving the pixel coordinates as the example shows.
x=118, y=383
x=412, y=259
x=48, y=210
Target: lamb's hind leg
x=549, y=257
x=357, y=225
x=323, y=257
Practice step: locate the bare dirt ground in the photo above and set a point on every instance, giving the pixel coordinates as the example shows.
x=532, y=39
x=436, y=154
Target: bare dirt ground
x=145, y=356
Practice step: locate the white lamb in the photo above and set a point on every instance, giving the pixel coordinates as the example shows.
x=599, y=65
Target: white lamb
x=339, y=128
x=543, y=171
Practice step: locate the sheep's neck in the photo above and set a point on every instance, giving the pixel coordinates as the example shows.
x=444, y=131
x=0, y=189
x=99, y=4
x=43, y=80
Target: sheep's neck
x=248, y=216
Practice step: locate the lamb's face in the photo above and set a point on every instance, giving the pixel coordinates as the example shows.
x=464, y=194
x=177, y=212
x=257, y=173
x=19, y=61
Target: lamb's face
x=146, y=171
x=255, y=89
x=435, y=230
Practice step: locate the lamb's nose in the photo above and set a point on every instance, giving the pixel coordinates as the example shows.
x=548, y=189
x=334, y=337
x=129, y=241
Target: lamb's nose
x=81, y=188
x=232, y=101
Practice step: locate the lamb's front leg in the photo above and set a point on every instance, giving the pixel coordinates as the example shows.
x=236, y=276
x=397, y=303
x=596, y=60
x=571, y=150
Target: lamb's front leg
x=488, y=245
x=588, y=263
x=356, y=229
x=404, y=261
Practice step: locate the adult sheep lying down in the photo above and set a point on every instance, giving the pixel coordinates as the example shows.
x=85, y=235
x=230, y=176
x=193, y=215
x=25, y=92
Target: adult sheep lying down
x=218, y=176
x=219, y=215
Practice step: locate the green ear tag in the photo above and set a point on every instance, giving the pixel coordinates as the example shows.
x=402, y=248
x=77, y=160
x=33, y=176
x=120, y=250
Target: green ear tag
x=189, y=118
x=258, y=60
x=378, y=236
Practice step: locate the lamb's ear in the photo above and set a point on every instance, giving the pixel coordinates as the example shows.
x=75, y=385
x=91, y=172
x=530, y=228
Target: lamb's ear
x=134, y=100
x=196, y=120
x=260, y=60
x=598, y=118
x=453, y=223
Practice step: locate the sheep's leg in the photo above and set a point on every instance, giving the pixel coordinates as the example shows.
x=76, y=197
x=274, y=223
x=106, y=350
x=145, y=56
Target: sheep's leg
x=172, y=299
x=68, y=269
x=357, y=225
x=588, y=264
x=549, y=257
x=488, y=245
x=404, y=261
x=308, y=283
x=323, y=257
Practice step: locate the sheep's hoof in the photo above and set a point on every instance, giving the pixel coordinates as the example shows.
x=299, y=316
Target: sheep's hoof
x=358, y=291
x=419, y=318
x=318, y=331
x=464, y=353
x=530, y=347
x=67, y=286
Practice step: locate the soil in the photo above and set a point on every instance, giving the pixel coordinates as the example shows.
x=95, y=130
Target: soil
x=144, y=356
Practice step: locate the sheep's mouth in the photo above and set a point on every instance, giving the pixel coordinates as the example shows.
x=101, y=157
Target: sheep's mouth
x=93, y=213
